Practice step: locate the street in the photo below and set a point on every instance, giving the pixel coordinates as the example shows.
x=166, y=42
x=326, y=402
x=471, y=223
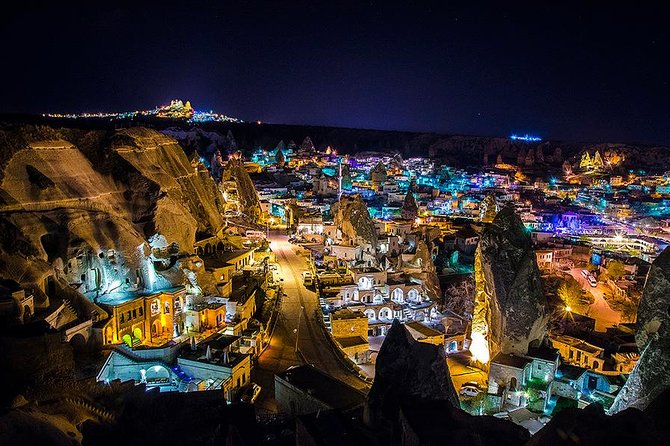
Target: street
x=600, y=309
x=298, y=305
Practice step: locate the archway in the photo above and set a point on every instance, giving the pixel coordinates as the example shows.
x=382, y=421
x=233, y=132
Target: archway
x=453, y=346
x=78, y=342
x=157, y=374
x=385, y=313
x=397, y=295
x=27, y=314
x=413, y=295
x=128, y=340
x=109, y=335
x=156, y=328
x=512, y=384
x=364, y=283
x=370, y=313
x=137, y=332
x=50, y=286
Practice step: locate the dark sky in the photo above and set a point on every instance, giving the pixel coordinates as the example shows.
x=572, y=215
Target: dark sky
x=561, y=69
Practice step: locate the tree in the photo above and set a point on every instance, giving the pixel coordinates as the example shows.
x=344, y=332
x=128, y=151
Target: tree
x=616, y=270
x=570, y=291
x=460, y=297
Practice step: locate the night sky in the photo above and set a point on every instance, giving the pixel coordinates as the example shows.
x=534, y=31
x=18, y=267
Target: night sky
x=565, y=70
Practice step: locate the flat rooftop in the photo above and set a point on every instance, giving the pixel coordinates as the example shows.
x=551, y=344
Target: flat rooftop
x=117, y=298
x=351, y=341
x=422, y=330
x=510, y=360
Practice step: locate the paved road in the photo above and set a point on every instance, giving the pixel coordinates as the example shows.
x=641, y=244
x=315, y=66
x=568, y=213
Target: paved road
x=600, y=310
x=299, y=303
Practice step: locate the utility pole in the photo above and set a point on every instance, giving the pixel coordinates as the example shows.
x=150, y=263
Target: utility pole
x=339, y=180
x=297, y=330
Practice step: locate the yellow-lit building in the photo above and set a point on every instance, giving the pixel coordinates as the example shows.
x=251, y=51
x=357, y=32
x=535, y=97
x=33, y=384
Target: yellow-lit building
x=350, y=331
x=138, y=318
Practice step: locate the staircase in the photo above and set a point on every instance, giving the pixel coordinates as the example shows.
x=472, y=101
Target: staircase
x=327, y=322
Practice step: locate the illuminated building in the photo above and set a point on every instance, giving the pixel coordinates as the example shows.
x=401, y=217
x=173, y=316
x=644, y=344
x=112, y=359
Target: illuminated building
x=137, y=318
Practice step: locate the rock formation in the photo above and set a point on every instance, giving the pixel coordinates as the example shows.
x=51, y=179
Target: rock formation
x=510, y=306
x=280, y=160
x=307, y=145
x=650, y=376
x=352, y=218
x=406, y=368
x=488, y=209
x=428, y=276
x=84, y=207
x=592, y=427
x=378, y=174
x=413, y=401
x=243, y=191
x=409, y=209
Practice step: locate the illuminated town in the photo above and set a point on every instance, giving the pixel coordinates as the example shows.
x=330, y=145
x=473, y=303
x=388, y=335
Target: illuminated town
x=178, y=276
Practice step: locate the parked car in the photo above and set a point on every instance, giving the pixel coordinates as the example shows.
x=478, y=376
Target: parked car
x=469, y=390
x=474, y=384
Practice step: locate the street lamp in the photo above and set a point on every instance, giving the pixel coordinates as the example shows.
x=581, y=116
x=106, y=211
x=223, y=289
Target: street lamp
x=297, y=330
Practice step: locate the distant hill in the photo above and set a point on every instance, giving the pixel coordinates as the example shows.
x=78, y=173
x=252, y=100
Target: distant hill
x=457, y=150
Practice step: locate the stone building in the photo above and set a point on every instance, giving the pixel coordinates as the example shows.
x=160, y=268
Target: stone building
x=137, y=318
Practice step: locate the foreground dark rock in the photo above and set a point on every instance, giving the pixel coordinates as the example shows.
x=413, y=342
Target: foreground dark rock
x=592, y=427
x=413, y=401
x=651, y=375
x=407, y=368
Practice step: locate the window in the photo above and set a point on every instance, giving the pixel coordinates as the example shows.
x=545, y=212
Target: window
x=167, y=307
x=134, y=313
x=129, y=314
x=121, y=319
x=141, y=311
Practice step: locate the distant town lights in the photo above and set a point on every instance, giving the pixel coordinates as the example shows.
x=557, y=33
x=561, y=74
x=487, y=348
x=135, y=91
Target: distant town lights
x=526, y=138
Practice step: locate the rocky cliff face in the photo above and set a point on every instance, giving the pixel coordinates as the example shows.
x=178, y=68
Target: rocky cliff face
x=352, y=218
x=245, y=191
x=120, y=203
x=650, y=376
x=510, y=307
